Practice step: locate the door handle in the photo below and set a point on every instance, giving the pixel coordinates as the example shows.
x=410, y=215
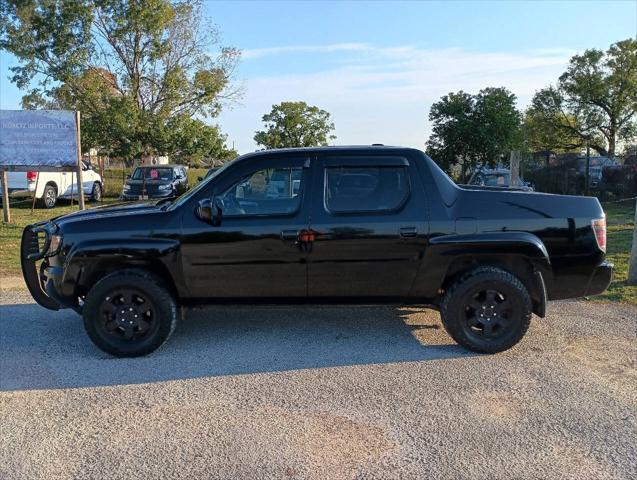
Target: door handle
x=407, y=232
x=289, y=235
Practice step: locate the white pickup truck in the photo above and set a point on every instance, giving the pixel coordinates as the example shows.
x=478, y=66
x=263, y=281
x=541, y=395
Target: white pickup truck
x=54, y=185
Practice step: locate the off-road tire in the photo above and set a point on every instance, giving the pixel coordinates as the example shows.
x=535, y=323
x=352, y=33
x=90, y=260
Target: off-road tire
x=147, y=285
x=455, y=309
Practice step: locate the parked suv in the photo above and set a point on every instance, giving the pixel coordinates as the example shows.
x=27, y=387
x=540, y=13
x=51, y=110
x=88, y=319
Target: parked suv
x=156, y=182
x=54, y=185
x=321, y=225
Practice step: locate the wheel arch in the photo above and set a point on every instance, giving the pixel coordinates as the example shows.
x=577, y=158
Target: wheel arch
x=89, y=262
x=522, y=254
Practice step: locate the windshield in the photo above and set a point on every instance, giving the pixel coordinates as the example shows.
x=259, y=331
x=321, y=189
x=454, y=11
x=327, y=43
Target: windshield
x=165, y=174
x=193, y=191
x=492, y=179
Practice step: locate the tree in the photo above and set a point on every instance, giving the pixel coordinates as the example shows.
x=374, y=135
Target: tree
x=469, y=130
x=539, y=135
x=195, y=142
x=131, y=68
x=594, y=102
x=295, y=124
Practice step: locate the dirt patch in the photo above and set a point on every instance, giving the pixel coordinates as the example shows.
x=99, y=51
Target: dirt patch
x=12, y=283
x=612, y=360
x=497, y=407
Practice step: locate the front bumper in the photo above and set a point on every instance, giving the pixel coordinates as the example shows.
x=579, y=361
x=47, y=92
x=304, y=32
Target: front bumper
x=138, y=196
x=600, y=279
x=35, y=241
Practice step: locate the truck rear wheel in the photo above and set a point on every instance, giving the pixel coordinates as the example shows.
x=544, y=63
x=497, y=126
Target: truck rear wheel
x=49, y=196
x=96, y=192
x=129, y=313
x=487, y=310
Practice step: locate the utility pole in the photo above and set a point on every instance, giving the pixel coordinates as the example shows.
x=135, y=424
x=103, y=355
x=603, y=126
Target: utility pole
x=632, y=269
x=514, y=166
x=588, y=167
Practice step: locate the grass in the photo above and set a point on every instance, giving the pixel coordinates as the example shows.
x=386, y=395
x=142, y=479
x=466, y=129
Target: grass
x=619, y=217
x=620, y=220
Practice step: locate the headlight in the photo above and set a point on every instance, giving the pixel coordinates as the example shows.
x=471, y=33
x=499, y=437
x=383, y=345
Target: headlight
x=166, y=187
x=54, y=245
x=126, y=187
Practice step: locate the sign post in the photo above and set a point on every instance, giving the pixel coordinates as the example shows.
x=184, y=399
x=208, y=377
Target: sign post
x=6, y=215
x=80, y=182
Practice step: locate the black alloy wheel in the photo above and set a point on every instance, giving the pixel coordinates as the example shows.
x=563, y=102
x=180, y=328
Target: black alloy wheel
x=129, y=313
x=487, y=314
x=487, y=310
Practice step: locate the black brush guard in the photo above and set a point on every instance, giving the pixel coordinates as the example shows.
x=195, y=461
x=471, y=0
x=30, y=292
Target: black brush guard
x=35, y=243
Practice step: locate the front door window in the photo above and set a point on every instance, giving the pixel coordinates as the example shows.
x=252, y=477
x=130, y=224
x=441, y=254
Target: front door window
x=273, y=191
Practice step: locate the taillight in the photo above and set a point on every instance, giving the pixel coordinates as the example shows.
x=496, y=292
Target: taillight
x=599, y=227
x=32, y=176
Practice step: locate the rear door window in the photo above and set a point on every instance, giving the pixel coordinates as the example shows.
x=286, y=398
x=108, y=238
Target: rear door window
x=365, y=188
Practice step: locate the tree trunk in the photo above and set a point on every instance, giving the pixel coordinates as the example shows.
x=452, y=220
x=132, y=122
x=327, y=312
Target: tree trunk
x=632, y=269
x=612, y=140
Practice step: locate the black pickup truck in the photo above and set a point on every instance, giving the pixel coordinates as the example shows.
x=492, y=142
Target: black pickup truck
x=334, y=224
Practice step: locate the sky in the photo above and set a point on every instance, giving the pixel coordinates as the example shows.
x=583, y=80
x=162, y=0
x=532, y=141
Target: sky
x=377, y=67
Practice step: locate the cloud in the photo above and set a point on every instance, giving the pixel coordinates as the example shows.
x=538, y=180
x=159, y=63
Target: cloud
x=383, y=94
x=253, y=53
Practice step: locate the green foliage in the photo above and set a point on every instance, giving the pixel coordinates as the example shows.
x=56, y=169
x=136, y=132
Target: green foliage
x=541, y=135
x=594, y=102
x=295, y=124
x=473, y=129
x=134, y=70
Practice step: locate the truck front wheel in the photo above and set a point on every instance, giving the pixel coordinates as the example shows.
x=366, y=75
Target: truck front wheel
x=487, y=310
x=129, y=313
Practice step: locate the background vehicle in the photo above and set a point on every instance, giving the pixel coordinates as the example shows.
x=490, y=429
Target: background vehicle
x=363, y=224
x=54, y=185
x=156, y=182
x=497, y=177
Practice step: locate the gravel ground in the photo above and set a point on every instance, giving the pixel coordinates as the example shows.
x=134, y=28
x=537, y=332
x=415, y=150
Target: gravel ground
x=325, y=393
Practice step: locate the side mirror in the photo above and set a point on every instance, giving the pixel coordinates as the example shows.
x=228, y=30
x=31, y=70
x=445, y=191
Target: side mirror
x=199, y=179
x=209, y=211
x=128, y=177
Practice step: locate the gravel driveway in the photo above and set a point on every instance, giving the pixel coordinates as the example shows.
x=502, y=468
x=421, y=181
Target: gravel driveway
x=325, y=393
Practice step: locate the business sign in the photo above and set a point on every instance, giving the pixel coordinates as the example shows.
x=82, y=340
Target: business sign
x=44, y=140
